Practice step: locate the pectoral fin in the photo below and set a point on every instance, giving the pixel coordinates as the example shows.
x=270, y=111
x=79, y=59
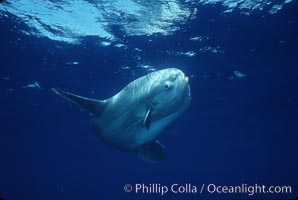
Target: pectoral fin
x=152, y=152
x=147, y=119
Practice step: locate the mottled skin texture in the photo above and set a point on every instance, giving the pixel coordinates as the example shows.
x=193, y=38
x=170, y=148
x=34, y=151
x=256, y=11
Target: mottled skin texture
x=121, y=124
x=133, y=118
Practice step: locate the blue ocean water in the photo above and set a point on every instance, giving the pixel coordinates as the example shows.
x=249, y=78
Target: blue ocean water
x=241, y=127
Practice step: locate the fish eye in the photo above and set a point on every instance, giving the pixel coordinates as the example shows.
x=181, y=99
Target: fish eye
x=167, y=84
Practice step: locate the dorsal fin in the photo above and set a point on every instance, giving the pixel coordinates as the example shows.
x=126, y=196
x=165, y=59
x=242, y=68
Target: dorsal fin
x=97, y=107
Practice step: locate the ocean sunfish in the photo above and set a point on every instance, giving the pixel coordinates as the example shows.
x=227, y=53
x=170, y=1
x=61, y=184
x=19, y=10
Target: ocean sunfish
x=132, y=119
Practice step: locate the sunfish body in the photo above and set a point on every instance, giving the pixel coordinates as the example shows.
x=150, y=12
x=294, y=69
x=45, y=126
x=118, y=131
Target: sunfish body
x=132, y=119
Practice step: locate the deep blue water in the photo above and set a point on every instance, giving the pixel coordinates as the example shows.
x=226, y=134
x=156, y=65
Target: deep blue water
x=237, y=130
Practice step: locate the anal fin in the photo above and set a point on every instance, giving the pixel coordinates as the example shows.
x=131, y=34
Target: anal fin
x=152, y=152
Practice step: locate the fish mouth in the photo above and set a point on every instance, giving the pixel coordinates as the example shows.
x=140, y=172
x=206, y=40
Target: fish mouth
x=186, y=79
